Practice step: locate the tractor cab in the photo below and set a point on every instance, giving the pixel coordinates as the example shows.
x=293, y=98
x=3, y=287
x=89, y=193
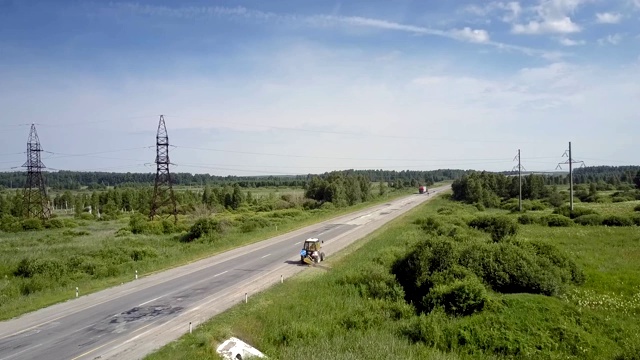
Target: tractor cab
x=310, y=252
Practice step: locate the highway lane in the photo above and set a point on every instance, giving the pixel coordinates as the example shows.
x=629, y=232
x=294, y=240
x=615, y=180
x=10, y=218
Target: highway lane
x=137, y=317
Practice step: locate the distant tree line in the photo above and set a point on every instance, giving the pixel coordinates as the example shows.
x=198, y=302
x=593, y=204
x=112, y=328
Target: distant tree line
x=490, y=189
x=75, y=180
x=602, y=175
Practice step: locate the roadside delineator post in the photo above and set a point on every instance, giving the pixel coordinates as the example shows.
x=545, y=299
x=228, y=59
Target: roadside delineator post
x=190, y=328
x=136, y=274
x=76, y=291
x=246, y=298
x=281, y=279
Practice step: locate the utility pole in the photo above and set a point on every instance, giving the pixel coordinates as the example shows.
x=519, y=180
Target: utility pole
x=35, y=191
x=163, y=191
x=519, y=167
x=570, y=162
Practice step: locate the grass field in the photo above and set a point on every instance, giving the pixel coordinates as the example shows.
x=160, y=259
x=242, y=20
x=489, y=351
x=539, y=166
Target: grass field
x=353, y=311
x=40, y=268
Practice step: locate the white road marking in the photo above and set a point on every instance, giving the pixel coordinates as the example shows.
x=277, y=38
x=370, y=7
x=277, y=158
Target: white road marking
x=224, y=272
x=265, y=256
x=146, y=302
x=298, y=243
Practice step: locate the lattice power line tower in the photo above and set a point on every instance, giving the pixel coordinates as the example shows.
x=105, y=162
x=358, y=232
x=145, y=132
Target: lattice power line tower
x=570, y=161
x=163, y=195
x=36, y=202
x=519, y=167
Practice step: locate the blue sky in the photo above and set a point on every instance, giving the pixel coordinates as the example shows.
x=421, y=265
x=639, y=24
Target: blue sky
x=288, y=87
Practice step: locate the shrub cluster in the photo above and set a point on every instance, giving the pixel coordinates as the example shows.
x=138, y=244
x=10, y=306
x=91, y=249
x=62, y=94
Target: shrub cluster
x=205, y=227
x=139, y=224
x=577, y=211
x=442, y=272
x=499, y=227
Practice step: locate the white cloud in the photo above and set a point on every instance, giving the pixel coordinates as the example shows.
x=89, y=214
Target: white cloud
x=614, y=39
x=562, y=26
x=466, y=34
x=473, y=35
x=510, y=10
x=311, y=87
x=608, y=18
x=569, y=42
x=551, y=16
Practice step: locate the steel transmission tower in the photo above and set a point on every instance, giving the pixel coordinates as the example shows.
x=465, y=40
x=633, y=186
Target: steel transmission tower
x=36, y=202
x=571, y=161
x=520, y=168
x=163, y=191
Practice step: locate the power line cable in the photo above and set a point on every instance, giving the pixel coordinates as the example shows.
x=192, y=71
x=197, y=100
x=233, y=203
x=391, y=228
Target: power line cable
x=339, y=158
x=359, y=134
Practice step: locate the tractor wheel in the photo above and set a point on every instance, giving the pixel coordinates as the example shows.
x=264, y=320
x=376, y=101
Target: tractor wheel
x=321, y=256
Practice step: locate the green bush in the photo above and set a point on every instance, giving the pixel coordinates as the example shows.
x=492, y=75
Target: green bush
x=415, y=270
x=445, y=210
x=138, y=224
x=515, y=268
x=462, y=297
x=617, y=220
x=556, y=220
x=430, y=224
x=32, y=224
x=75, y=233
x=577, y=211
x=141, y=253
x=86, y=216
x=500, y=227
x=9, y=223
x=200, y=228
x=29, y=267
x=374, y=282
x=54, y=224
x=252, y=223
x=68, y=223
x=589, y=220
x=566, y=267
x=123, y=232
x=154, y=227
x=526, y=219
x=168, y=227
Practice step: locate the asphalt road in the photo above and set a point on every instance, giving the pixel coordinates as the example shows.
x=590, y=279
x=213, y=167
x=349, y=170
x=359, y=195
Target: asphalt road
x=133, y=319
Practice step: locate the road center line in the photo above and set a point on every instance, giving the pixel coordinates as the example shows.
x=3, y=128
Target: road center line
x=146, y=302
x=224, y=272
x=265, y=256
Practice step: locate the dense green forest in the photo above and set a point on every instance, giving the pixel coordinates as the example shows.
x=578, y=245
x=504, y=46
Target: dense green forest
x=75, y=180
x=611, y=175
x=338, y=189
x=492, y=190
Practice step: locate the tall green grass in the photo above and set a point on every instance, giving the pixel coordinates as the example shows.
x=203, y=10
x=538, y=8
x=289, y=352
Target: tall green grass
x=355, y=310
x=94, y=255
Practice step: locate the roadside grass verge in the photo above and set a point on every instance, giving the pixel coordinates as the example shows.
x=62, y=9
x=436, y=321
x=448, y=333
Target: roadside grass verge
x=358, y=311
x=98, y=254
